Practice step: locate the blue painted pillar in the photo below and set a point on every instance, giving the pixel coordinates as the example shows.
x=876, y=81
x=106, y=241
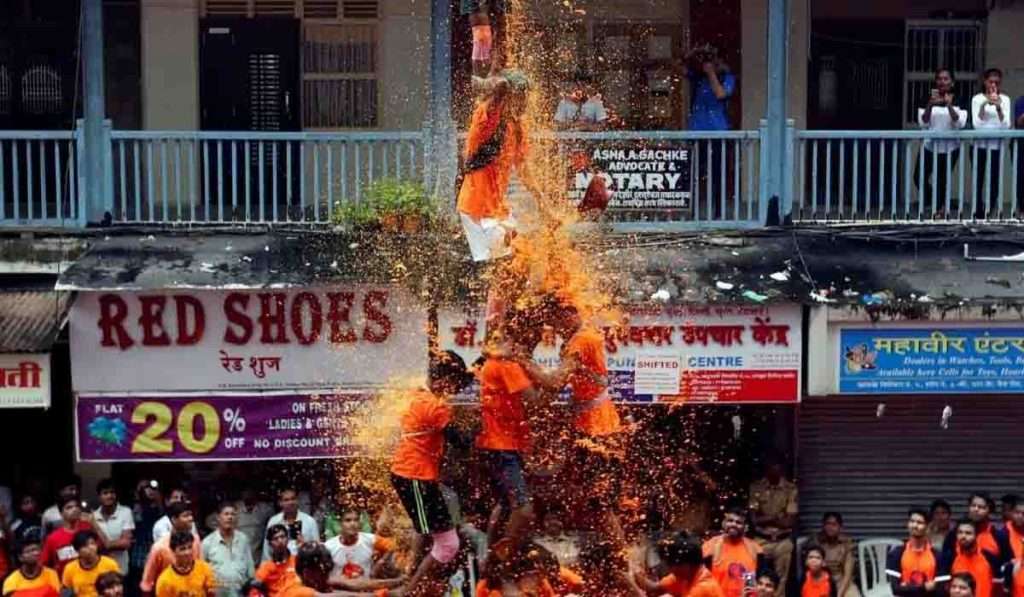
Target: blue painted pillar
x=441, y=147
x=95, y=143
x=777, y=152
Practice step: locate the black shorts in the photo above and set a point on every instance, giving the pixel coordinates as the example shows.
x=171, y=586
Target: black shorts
x=424, y=503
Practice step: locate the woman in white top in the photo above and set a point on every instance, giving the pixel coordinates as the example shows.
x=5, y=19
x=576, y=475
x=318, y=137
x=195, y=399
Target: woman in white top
x=939, y=114
x=990, y=110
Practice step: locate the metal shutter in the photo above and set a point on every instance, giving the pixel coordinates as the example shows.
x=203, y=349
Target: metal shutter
x=872, y=469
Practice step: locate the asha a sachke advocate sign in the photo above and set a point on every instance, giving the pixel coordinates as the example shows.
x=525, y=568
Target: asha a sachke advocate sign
x=638, y=177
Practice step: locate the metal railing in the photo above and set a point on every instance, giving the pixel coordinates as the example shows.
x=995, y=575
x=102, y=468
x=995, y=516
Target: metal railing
x=39, y=178
x=171, y=177
x=909, y=176
x=718, y=182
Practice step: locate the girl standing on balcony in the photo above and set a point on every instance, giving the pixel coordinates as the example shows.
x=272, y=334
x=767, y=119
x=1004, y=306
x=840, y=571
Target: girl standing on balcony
x=990, y=110
x=941, y=115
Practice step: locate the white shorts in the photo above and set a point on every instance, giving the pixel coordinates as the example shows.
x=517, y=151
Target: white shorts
x=488, y=238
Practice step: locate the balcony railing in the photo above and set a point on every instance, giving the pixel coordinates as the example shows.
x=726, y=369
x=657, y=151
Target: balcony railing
x=909, y=176
x=240, y=178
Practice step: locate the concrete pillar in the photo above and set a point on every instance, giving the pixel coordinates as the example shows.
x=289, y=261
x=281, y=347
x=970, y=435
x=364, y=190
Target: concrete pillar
x=95, y=143
x=774, y=169
x=441, y=161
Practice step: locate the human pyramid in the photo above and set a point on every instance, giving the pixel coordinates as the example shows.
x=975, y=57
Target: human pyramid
x=529, y=290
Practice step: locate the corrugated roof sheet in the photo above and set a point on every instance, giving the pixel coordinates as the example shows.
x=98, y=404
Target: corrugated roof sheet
x=30, y=321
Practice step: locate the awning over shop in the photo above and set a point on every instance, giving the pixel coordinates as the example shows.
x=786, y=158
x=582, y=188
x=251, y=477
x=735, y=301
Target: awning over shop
x=29, y=324
x=31, y=321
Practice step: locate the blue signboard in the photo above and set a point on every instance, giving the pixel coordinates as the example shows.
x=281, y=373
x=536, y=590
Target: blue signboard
x=931, y=361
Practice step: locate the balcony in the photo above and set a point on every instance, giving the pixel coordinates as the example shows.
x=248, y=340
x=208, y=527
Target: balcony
x=191, y=178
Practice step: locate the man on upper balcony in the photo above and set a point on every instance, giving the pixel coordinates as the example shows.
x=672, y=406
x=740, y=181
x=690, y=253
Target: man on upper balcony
x=582, y=109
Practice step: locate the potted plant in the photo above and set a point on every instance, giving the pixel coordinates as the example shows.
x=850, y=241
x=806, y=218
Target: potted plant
x=401, y=205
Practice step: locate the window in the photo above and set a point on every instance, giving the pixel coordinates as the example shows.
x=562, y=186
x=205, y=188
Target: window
x=339, y=78
x=41, y=91
x=931, y=45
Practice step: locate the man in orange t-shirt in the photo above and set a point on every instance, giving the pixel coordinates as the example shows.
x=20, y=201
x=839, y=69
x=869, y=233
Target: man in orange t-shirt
x=313, y=566
x=416, y=464
x=1015, y=531
x=596, y=457
x=688, y=577
x=278, y=572
x=733, y=558
x=495, y=145
x=970, y=557
x=503, y=438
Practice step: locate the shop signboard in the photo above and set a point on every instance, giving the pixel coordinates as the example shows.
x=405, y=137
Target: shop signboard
x=931, y=360
x=638, y=175
x=727, y=354
x=266, y=426
x=242, y=340
x=24, y=380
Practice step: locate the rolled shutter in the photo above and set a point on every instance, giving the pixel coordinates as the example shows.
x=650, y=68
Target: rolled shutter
x=872, y=469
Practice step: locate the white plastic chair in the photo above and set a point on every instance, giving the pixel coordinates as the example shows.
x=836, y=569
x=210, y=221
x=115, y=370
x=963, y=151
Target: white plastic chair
x=871, y=555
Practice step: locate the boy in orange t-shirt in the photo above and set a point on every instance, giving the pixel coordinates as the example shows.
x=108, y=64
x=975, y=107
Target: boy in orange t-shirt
x=503, y=438
x=688, y=577
x=496, y=144
x=278, y=573
x=417, y=461
x=596, y=422
x=817, y=580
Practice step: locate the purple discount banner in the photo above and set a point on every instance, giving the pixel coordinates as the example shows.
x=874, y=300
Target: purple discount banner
x=250, y=427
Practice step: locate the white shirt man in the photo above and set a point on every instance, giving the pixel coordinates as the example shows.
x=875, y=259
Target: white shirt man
x=355, y=561
x=163, y=528
x=114, y=526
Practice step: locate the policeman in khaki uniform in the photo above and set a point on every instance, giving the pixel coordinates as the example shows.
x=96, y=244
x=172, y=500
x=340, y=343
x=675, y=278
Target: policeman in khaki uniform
x=773, y=503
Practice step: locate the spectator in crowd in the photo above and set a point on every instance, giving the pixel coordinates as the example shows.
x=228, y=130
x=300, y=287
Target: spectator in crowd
x=767, y=583
x=110, y=584
x=229, y=553
x=773, y=502
x=187, y=576
x=1015, y=531
x=1013, y=577
x=565, y=546
x=323, y=508
x=839, y=550
x=71, y=488
x=6, y=557
x=989, y=538
x=732, y=556
x=688, y=577
x=1006, y=505
x=32, y=578
x=913, y=567
x=939, y=114
x=941, y=523
x=398, y=562
x=353, y=553
x=27, y=520
x=58, y=549
x=990, y=111
x=313, y=566
x=161, y=555
x=253, y=514
x=277, y=572
x=162, y=528
x=711, y=86
x=117, y=522
x=969, y=557
x=81, y=574
x=301, y=527
x=147, y=510
x=817, y=580
x=962, y=585
x=582, y=109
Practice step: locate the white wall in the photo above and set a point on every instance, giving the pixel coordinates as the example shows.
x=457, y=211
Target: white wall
x=1006, y=46
x=404, y=69
x=170, y=64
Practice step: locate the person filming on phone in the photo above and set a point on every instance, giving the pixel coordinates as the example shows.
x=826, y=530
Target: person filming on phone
x=302, y=527
x=990, y=110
